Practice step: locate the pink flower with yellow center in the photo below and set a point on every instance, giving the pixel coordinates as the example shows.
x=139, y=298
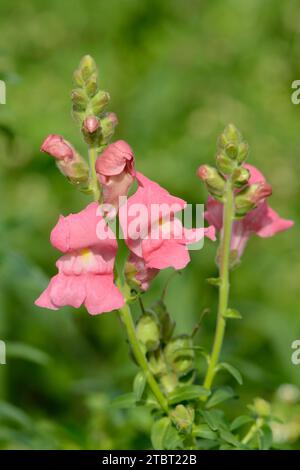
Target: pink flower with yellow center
x=85, y=271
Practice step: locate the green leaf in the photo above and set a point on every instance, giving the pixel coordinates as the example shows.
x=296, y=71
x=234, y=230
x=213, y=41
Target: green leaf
x=240, y=421
x=214, y=419
x=232, y=371
x=29, y=353
x=204, y=431
x=229, y=438
x=172, y=439
x=232, y=313
x=14, y=414
x=187, y=392
x=139, y=384
x=265, y=438
x=219, y=396
x=159, y=432
x=128, y=400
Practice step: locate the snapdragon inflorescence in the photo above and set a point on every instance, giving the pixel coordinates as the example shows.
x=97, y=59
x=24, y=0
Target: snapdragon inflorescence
x=186, y=413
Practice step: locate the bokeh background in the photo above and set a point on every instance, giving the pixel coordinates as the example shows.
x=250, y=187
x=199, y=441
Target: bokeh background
x=178, y=71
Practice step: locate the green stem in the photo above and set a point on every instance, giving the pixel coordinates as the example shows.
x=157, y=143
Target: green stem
x=253, y=430
x=125, y=314
x=224, y=260
x=94, y=184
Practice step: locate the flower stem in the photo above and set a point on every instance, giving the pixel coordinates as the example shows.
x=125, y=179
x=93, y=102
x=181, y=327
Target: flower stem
x=253, y=430
x=94, y=185
x=126, y=317
x=224, y=259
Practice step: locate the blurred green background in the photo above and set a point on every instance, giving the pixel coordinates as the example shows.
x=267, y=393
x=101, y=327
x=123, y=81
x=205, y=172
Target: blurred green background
x=178, y=71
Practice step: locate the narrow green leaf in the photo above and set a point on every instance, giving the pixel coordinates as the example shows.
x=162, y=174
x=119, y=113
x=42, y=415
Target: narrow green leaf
x=240, y=421
x=187, y=392
x=219, y=396
x=265, y=438
x=14, y=414
x=214, y=419
x=26, y=352
x=232, y=371
x=128, y=400
x=139, y=384
x=229, y=438
x=158, y=433
x=172, y=440
x=232, y=313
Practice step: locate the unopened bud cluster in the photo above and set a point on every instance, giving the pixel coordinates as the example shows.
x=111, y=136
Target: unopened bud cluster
x=232, y=152
x=89, y=103
x=171, y=358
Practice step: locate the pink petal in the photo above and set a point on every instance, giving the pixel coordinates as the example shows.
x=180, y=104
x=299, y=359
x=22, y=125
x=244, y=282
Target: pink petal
x=169, y=254
x=102, y=294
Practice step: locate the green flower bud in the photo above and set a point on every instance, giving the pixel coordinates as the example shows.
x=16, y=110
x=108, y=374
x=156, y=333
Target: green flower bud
x=87, y=67
x=243, y=151
x=79, y=99
x=98, y=103
x=225, y=164
x=230, y=135
x=78, y=80
x=157, y=363
x=169, y=382
x=165, y=320
x=108, y=125
x=240, y=177
x=147, y=331
x=261, y=407
x=91, y=86
x=213, y=180
x=183, y=418
x=179, y=354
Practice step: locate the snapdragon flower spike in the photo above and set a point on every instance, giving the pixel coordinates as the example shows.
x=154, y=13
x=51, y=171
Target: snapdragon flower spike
x=69, y=162
x=262, y=220
x=115, y=170
x=85, y=271
x=155, y=234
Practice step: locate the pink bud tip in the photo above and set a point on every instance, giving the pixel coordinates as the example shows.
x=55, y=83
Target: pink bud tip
x=91, y=124
x=263, y=191
x=58, y=147
x=202, y=172
x=113, y=118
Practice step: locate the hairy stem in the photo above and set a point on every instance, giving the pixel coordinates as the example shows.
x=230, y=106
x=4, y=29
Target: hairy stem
x=94, y=185
x=224, y=259
x=126, y=317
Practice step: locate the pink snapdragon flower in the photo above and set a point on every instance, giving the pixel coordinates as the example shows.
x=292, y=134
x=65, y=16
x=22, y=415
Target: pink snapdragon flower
x=115, y=170
x=59, y=148
x=263, y=220
x=85, y=271
x=151, y=230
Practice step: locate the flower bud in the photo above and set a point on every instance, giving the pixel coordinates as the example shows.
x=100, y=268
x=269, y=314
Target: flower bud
x=243, y=151
x=98, y=102
x=215, y=182
x=261, y=407
x=147, y=331
x=166, y=321
x=183, y=418
x=157, y=363
x=240, y=177
x=108, y=125
x=79, y=99
x=87, y=67
x=180, y=355
x=69, y=162
x=91, y=130
x=91, y=124
x=250, y=197
x=91, y=85
x=59, y=148
x=230, y=135
x=224, y=164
